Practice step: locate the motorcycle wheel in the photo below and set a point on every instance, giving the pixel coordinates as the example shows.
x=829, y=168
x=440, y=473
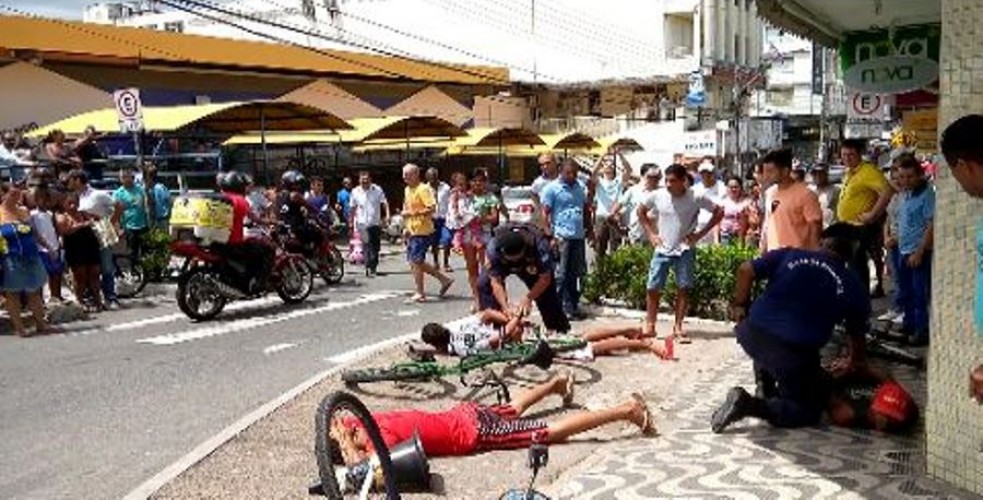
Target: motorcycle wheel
x=331, y=265
x=196, y=289
x=295, y=280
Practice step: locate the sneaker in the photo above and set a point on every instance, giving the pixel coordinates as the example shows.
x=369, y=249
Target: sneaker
x=890, y=315
x=113, y=305
x=735, y=407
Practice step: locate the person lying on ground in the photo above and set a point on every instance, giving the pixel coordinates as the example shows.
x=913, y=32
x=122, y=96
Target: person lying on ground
x=468, y=427
x=489, y=328
x=868, y=399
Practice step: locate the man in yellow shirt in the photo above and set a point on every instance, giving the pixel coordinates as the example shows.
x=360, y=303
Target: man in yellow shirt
x=863, y=200
x=419, y=206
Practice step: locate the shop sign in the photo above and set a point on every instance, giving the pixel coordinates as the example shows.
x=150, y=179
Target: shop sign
x=701, y=143
x=889, y=62
x=696, y=94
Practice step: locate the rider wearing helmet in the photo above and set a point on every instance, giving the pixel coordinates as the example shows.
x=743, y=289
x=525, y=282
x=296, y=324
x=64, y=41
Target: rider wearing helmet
x=233, y=185
x=294, y=210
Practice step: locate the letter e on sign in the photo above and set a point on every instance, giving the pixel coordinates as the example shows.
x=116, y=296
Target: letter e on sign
x=864, y=106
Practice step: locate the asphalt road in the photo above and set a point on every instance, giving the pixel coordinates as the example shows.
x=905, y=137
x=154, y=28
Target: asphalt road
x=94, y=412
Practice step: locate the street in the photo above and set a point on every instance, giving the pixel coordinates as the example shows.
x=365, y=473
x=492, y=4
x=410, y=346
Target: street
x=95, y=411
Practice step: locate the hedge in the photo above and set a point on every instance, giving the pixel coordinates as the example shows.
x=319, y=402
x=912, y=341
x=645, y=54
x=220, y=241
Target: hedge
x=622, y=276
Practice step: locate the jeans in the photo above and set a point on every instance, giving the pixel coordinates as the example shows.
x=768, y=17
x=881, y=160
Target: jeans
x=916, y=285
x=550, y=308
x=894, y=265
x=859, y=263
x=798, y=387
x=371, y=245
x=571, y=266
x=108, y=269
x=607, y=237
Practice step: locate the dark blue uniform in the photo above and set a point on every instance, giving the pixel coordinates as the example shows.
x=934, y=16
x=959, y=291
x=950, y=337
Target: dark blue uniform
x=537, y=259
x=807, y=295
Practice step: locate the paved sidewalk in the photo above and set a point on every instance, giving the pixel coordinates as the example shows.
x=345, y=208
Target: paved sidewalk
x=752, y=460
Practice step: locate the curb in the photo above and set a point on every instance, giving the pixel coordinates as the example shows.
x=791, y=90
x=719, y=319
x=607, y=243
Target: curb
x=146, y=489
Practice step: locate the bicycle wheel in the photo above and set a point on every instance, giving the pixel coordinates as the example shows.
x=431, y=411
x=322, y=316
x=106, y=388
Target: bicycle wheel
x=405, y=372
x=325, y=448
x=130, y=276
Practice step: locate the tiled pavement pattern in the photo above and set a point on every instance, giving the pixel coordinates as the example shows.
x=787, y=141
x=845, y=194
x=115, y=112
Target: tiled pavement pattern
x=753, y=461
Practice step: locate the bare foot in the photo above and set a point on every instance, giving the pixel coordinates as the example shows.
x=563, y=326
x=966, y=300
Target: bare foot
x=648, y=330
x=563, y=386
x=658, y=350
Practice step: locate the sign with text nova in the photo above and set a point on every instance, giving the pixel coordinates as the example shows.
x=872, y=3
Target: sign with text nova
x=903, y=59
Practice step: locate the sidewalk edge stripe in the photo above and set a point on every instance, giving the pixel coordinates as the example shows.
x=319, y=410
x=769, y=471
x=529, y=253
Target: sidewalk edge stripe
x=206, y=448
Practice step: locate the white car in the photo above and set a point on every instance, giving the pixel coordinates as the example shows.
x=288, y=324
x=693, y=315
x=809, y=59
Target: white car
x=520, y=204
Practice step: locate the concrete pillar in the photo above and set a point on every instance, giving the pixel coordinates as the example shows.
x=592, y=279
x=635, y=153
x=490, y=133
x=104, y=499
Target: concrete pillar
x=719, y=49
x=707, y=22
x=954, y=424
x=755, y=34
x=729, y=18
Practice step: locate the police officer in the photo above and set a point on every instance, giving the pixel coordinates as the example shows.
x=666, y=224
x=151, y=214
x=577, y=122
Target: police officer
x=524, y=251
x=808, y=294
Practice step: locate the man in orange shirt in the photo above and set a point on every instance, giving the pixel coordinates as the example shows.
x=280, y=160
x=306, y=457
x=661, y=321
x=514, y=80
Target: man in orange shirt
x=419, y=205
x=793, y=217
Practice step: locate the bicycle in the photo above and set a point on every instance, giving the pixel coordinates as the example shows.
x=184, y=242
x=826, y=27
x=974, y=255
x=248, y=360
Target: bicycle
x=539, y=353
x=878, y=348
x=131, y=278
x=362, y=477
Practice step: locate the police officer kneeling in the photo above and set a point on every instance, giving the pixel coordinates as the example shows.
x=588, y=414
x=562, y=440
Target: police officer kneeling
x=807, y=295
x=524, y=251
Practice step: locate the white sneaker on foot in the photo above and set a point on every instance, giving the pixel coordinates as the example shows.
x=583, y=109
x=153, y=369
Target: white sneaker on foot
x=889, y=315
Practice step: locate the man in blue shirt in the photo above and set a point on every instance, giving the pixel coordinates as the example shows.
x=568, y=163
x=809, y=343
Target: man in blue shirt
x=566, y=212
x=343, y=201
x=915, y=235
x=522, y=250
x=160, y=197
x=134, y=220
x=808, y=294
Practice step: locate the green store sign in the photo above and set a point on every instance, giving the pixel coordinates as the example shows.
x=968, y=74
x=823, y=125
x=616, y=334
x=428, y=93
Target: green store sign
x=890, y=62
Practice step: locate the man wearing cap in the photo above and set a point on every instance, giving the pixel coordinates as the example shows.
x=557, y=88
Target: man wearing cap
x=807, y=295
x=867, y=399
x=828, y=194
x=714, y=190
x=524, y=251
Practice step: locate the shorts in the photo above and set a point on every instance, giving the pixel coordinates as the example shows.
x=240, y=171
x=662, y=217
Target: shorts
x=471, y=235
x=53, y=264
x=500, y=428
x=416, y=248
x=683, y=266
x=443, y=236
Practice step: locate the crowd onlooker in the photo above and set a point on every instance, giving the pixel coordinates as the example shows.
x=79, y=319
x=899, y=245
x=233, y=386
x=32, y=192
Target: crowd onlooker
x=442, y=236
x=710, y=187
x=608, y=188
x=828, y=194
x=419, y=206
x=566, y=211
x=916, y=213
x=634, y=196
x=134, y=220
x=792, y=214
x=369, y=212
x=474, y=213
x=23, y=271
x=734, y=225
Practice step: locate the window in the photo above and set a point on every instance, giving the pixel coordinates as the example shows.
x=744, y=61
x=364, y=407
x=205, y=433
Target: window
x=779, y=97
x=174, y=27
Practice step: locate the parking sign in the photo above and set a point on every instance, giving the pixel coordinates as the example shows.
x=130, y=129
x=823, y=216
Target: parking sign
x=129, y=110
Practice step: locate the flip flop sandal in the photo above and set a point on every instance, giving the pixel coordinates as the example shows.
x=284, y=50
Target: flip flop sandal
x=416, y=299
x=669, y=354
x=683, y=339
x=648, y=426
x=444, y=288
x=569, y=389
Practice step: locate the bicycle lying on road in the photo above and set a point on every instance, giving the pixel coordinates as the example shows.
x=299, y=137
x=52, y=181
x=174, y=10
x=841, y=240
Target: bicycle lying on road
x=425, y=367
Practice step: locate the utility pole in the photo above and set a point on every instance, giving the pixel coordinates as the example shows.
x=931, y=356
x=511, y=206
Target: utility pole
x=532, y=31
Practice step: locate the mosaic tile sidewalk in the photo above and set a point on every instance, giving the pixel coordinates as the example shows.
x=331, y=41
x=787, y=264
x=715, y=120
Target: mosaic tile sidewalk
x=752, y=460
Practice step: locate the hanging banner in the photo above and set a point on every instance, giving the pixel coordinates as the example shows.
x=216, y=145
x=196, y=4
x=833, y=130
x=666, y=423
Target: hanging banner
x=696, y=94
x=891, y=61
x=818, y=69
x=700, y=143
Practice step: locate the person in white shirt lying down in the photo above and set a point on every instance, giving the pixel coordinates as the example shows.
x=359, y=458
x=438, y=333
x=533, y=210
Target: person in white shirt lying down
x=487, y=330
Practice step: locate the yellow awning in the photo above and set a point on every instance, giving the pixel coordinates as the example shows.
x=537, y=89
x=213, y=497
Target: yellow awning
x=495, y=151
x=398, y=144
x=572, y=140
x=364, y=130
x=494, y=137
x=619, y=141
x=225, y=118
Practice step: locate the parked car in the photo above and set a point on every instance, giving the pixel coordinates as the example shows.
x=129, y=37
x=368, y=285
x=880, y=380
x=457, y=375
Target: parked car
x=519, y=203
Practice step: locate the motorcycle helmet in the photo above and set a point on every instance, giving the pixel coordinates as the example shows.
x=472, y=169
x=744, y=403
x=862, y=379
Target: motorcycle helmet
x=292, y=180
x=234, y=181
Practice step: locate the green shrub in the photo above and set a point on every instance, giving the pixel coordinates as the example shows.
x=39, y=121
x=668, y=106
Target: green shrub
x=156, y=252
x=622, y=277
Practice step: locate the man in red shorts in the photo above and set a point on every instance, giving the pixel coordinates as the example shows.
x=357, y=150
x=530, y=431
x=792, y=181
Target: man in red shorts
x=470, y=428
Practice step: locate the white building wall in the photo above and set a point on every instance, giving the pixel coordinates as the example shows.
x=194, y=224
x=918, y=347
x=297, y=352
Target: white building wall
x=789, y=89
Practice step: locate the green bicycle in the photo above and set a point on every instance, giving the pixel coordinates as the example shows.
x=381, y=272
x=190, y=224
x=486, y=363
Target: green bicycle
x=538, y=353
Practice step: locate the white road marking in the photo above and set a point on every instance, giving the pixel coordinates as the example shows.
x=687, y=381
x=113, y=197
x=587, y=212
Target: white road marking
x=169, y=473
x=168, y=318
x=249, y=323
x=275, y=348
x=408, y=313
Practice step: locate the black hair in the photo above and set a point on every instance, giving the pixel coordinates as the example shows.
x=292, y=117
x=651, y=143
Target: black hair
x=568, y=162
x=857, y=145
x=735, y=178
x=908, y=162
x=336, y=457
x=436, y=335
x=478, y=172
x=645, y=168
x=677, y=170
x=781, y=158
x=78, y=174
x=961, y=140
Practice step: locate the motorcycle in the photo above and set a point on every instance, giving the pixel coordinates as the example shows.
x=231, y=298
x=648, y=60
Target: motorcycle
x=321, y=254
x=209, y=279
